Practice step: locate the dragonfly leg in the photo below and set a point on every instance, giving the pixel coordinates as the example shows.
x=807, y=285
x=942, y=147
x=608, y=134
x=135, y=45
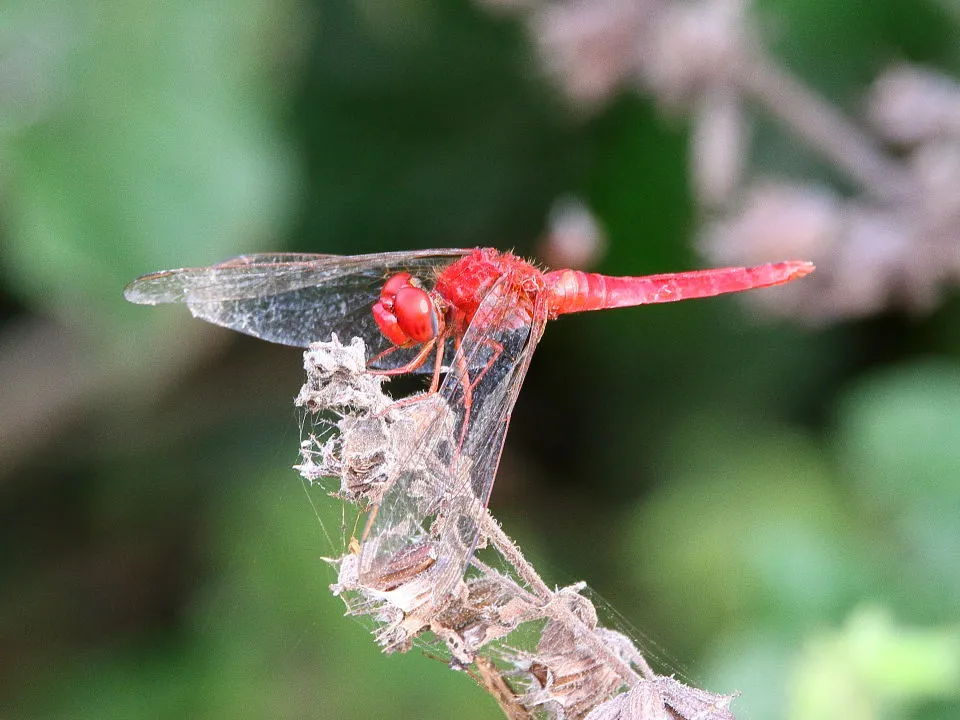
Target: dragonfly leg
x=415, y=363
x=437, y=365
x=381, y=355
x=497, y=350
x=469, y=383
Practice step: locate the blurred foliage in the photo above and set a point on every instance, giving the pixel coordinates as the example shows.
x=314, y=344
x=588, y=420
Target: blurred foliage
x=873, y=668
x=778, y=507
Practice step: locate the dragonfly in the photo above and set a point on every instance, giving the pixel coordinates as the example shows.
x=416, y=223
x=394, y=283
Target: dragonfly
x=470, y=316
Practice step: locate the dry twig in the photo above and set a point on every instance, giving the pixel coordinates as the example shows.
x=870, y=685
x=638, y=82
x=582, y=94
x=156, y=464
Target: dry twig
x=540, y=652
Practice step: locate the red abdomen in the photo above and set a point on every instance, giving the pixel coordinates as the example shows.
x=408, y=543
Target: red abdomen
x=572, y=291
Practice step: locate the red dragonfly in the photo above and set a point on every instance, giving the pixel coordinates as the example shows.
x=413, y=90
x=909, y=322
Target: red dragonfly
x=477, y=313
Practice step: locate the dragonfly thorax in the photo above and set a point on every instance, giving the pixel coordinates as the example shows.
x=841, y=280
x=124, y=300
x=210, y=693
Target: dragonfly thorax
x=406, y=313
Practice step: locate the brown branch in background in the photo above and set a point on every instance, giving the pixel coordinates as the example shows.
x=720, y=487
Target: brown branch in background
x=894, y=240
x=825, y=129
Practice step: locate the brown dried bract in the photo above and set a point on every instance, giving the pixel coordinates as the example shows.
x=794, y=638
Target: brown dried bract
x=540, y=652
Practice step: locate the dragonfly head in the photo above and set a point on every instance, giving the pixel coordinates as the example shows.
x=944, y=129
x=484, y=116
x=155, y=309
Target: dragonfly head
x=406, y=313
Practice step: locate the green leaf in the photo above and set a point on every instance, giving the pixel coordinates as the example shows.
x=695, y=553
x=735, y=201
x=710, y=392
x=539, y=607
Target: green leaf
x=900, y=441
x=149, y=140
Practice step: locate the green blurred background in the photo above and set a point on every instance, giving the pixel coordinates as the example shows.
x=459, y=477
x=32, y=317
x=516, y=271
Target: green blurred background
x=776, y=507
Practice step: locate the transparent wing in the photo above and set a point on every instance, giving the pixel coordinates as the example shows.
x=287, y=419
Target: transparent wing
x=292, y=298
x=429, y=517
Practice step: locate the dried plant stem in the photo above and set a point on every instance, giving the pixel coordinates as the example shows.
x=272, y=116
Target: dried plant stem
x=540, y=652
x=512, y=554
x=560, y=612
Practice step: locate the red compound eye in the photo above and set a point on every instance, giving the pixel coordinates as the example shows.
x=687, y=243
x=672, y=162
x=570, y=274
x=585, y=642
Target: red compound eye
x=392, y=286
x=406, y=313
x=416, y=314
x=387, y=322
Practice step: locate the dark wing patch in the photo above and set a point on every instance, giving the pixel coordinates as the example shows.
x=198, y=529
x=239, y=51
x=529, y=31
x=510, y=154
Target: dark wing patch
x=292, y=298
